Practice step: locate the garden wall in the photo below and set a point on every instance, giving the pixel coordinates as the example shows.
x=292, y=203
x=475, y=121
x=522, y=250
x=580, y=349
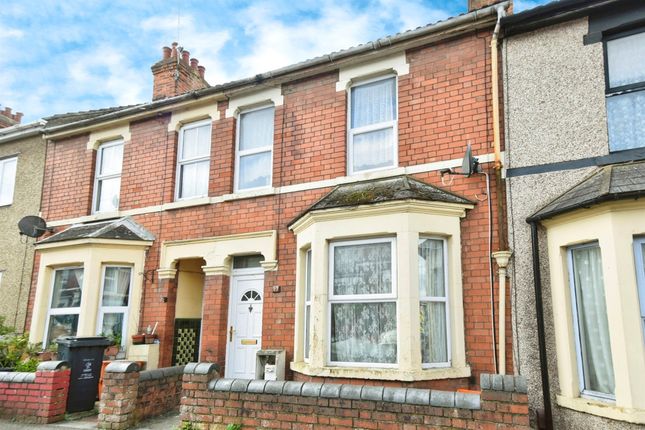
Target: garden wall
x=39, y=397
x=129, y=396
x=209, y=402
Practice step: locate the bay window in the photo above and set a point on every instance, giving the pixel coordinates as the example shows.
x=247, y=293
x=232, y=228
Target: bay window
x=307, y=304
x=591, y=327
x=639, y=254
x=107, y=183
x=65, y=304
x=625, y=89
x=372, y=142
x=193, y=160
x=362, y=301
x=113, y=312
x=254, y=158
x=433, y=303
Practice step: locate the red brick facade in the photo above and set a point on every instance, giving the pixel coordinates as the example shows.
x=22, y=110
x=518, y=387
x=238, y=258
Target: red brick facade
x=444, y=103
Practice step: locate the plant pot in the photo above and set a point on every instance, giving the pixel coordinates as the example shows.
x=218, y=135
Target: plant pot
x=112, y=350
x=150, y=338
x=138, y=339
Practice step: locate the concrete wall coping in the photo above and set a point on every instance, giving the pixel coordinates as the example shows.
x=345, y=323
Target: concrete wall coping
x=17, y=377
x=148, y=375
x=200, y=368
x=122, y=367
x=411, y=396
x=52, y=365
x=510, y=383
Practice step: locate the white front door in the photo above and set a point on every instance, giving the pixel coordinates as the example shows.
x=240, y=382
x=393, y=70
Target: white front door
x=244, y=324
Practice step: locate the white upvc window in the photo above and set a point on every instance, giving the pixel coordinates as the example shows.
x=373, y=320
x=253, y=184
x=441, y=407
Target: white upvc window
x=362, y=303
x=7, y=180
x=639, y=254
x=590, y=323
x=115, y=300
x=64, y=304
x=625, y=89
x=307, y=316
x=107, y=181
x=254, y=149
x=193, y=160
x=433, y=303
x=373, y=130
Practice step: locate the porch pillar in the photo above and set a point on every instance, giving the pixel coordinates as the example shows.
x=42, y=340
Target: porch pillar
x=165, y=312
x=214, y=331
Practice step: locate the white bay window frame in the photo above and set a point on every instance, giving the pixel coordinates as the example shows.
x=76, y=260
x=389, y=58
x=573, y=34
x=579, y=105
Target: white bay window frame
x=384, y=125
x=110, y=309
x=307, y=307
x=639, y=256
x=335, y=299
x=100, y=177
x=439, y=299
x=76, y=310
x=239, y=154
x=183, y=162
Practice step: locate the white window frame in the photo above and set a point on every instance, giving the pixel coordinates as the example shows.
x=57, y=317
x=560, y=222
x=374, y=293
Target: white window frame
x=239, y=154
x=639, y=242
x=181, y=162
x=362, y=298
x=99, y=178
x=445, y=299
x=576, y=326
x=3, y=163
x=61, y=311
x=308, y=295
x=394, y=124
x=114, y=309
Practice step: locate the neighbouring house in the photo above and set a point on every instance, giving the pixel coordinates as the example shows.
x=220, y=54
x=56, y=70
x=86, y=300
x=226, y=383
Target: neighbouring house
x=8, y=118
x=574, y=74
x=22, y=159
x=305, y=209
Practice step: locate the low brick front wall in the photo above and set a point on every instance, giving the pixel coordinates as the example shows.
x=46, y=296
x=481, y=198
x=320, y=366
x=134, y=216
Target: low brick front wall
x=130, y=396
x=39, y=397
x=214, y=403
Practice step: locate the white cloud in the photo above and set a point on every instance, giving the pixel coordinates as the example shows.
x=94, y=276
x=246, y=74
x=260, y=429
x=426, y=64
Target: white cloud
x=11, y=33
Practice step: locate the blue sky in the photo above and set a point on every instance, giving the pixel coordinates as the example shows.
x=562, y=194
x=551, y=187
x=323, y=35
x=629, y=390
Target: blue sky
x=66, y=56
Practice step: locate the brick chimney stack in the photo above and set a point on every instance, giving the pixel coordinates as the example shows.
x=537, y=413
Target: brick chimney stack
x=7, y=118
x=479, y=4
x=176, y=73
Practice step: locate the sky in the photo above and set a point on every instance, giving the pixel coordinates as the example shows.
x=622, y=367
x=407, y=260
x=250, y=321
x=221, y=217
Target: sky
x=67, y=56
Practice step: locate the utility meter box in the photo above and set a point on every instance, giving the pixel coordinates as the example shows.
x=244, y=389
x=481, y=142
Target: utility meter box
x=270, y=364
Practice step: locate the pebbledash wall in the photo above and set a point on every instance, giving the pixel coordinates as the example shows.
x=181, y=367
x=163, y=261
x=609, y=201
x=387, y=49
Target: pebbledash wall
x=443, y=104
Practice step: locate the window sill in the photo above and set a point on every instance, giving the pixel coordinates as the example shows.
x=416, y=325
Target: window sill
x=188, y=202
x=602, y=409
x=239, y=195
x=387, y=374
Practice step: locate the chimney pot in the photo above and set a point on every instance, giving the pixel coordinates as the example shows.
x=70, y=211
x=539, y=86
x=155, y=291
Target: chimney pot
x=185, y=55
x=193, y=63
x=7, y=111
x=18, y=116
x=174, y=49
x=201, y=71
x=177, y=76
x=166, y=52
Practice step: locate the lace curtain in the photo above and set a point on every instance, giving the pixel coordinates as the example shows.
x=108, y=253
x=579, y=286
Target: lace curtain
x=432, y=295
x=68, y=285
x=255, y=143
x=363, y=330
x=116, y=286
x=195, y=150
x=371, y=104
x=595, y=348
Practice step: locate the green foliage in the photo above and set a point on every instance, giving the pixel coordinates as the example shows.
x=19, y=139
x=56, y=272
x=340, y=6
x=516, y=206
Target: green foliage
x=234, y=427
x=15, y=350
x=186, y=425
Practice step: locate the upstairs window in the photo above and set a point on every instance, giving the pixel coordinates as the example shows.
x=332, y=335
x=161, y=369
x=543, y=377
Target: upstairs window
x=193, y=160
x=625, y=68
x=373, y=125
x=254, y=160
x=7, y=180
x=107, y=184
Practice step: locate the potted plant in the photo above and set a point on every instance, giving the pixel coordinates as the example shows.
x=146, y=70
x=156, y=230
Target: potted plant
x=138, y=339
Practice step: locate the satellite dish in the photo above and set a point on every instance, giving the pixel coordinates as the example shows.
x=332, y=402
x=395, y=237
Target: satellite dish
x=470, y=164
x=32, y=226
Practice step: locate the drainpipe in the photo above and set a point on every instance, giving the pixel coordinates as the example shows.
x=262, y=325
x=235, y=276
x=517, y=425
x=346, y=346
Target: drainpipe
x=501, y=12
x=539, y=313
x=501, y=258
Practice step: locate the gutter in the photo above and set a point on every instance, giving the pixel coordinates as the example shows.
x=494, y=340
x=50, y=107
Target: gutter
x=390, y=44
x=21, y=131
x=539, y=312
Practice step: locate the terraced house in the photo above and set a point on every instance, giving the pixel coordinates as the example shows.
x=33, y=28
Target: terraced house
x=307, y=209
